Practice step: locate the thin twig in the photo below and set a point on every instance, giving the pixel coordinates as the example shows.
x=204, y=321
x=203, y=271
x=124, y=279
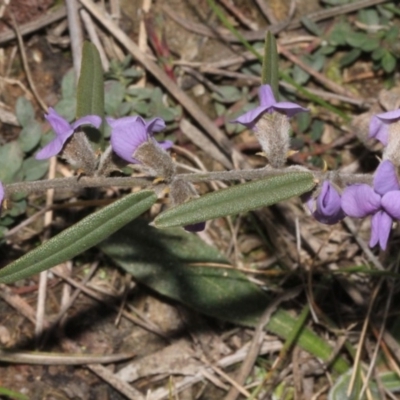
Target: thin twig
x=378, y=340
x=76, y=183
x=258, y=338
x=26, y=64
x=360, y=346
x=94, y=37
x=75, y=34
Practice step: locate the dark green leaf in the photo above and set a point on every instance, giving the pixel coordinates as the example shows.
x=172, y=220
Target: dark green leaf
x=317, y=129
x=68, y=85
x=67, y=108
x=378, y=53
x=227, y=94
x=237, y=199
x=24, y=111
x=350, y=57
x=34, y=169
x=114, y=95
x=79, y=237
x=388, y=62
x=30, y=136
x=18, y=208
x=11, y=157
x=357, y=39
x=368, y=17
x=339, y=33
x=311, y=26
x=371, y=45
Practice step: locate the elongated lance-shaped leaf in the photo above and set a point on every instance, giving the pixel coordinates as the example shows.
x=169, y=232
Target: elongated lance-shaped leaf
x=79, y=237
x=237, y=199
x=270, y=66
x=90, y=93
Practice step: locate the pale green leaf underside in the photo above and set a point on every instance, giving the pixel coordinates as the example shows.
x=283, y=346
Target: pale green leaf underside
x=237, y=199
x=79, y=237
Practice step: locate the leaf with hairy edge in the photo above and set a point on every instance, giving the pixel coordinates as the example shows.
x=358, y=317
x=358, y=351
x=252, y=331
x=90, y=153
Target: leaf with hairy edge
x=90, y=92
x=79, y=237
x=182, y=267
x=237, y=199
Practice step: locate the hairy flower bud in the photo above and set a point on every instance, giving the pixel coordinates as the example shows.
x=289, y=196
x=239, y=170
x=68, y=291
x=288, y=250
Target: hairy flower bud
x=79, y=153
x=153, y=156
x=272, y=131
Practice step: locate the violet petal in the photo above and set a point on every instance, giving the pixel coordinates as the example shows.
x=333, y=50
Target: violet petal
x=391, y=203
x=155, y=125
x=127, y=135
x=249, y=118
x=94, y=120
x=266, y=96
x=390, y=116
x=59, y=124
x=166, y=144
x=288, y=108
x=379, y=130
x=381, y=226
x=52, y=148
x=360, y=200
x=329, y=210
x=385, y=178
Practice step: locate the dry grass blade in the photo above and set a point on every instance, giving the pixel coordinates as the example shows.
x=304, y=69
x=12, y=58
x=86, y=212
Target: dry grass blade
x=256, y=343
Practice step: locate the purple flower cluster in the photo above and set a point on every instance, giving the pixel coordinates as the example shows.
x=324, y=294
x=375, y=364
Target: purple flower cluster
x=381, y=201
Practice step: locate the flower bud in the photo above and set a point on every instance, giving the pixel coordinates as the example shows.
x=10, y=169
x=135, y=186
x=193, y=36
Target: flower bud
x=272, y=131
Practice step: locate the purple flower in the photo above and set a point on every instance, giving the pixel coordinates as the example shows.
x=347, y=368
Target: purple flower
x=382, y=202
x=63, y=130
x=128, y=133
x=328, y=206
x=379, y=125
x=268, y=104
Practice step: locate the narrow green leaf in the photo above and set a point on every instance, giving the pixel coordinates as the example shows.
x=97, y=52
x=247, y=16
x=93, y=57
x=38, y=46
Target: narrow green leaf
x=90, y=92
x=237, y=199
x=180, y=266
x=12, y=394
x=79, y=237
x=270, y=66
